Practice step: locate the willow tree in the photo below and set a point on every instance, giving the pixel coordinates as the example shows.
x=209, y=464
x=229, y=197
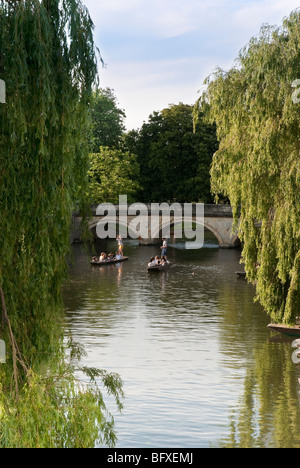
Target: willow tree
x=48, y=62
x=256, y=108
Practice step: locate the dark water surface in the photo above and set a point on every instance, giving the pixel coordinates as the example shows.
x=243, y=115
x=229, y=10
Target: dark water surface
x=200, y=368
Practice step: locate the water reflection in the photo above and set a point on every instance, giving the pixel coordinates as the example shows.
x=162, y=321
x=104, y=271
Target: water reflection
x=268, y=413
x=199, y=364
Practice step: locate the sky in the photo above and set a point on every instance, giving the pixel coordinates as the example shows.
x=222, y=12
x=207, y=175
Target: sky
x=159, y=52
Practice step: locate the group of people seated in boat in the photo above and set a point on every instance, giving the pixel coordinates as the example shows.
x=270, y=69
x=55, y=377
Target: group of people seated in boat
x=108, y=257
x=157, y=261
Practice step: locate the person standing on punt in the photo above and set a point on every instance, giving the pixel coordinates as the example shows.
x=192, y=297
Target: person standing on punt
x=120, y=244
x=164, y=248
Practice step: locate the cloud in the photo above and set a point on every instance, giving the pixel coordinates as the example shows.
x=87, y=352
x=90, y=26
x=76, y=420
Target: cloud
x=172, y=18
x=159, y=52
x=160, y=19
x=143, y=88
x=253, y=14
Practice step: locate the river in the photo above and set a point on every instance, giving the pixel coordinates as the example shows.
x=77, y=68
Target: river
x=199, y=365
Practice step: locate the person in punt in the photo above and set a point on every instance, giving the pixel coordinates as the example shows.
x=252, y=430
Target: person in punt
x=103, y=257
x=110, y=256
x=118, y=256
x=157, y=260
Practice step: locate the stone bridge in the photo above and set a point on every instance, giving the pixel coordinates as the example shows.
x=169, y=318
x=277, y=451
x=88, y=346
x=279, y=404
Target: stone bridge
x=216, y=218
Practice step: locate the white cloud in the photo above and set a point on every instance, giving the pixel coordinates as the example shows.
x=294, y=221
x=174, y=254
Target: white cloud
x=168, y=18
x=145, y=87
x=253, y=14
x=159, y=51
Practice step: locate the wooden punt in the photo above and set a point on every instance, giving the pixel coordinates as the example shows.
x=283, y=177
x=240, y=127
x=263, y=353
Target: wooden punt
x=158, y=267
x=285, y=329
x=241, y=274
x=109, y=262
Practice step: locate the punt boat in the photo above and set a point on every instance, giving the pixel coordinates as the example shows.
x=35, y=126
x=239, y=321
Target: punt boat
x=285, y=329
x=241, y=274
x=108, y=262
x=159, y=267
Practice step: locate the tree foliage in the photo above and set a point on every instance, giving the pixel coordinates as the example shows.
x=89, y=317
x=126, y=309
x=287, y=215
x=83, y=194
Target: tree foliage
x=107, y=120
x=48, y=63
x=113, y=172
x=257, y=164
x=62, y=409
x=174, y=159
x=47, y=59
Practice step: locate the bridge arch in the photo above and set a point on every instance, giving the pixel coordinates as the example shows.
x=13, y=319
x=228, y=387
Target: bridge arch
x=215, y=233
x=204, y=225
x=94, y=223
x=217, y=219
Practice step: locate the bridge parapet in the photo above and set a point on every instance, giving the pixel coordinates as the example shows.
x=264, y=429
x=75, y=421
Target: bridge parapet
x=218, y=211
x=212, y=211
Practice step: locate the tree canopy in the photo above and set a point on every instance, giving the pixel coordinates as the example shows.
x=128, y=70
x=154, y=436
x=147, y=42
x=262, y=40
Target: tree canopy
x=107, y=119
x=257, y=164
x=113, y=172
x=49, y=66
x=174, y=159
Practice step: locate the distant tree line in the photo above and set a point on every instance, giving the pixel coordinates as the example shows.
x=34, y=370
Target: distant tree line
x=167, y=159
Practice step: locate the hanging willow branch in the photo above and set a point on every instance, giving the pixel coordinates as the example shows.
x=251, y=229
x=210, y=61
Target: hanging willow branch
x=16, y=355
x=257, y=165
x=48, y=61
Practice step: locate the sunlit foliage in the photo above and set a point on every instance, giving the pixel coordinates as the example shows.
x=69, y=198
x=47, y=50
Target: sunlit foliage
x=255, y=108
x=113, y=172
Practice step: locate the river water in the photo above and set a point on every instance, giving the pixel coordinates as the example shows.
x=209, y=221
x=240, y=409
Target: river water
x=199, y=365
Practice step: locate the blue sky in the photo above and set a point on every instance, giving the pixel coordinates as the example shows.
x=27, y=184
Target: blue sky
x=158, y=52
